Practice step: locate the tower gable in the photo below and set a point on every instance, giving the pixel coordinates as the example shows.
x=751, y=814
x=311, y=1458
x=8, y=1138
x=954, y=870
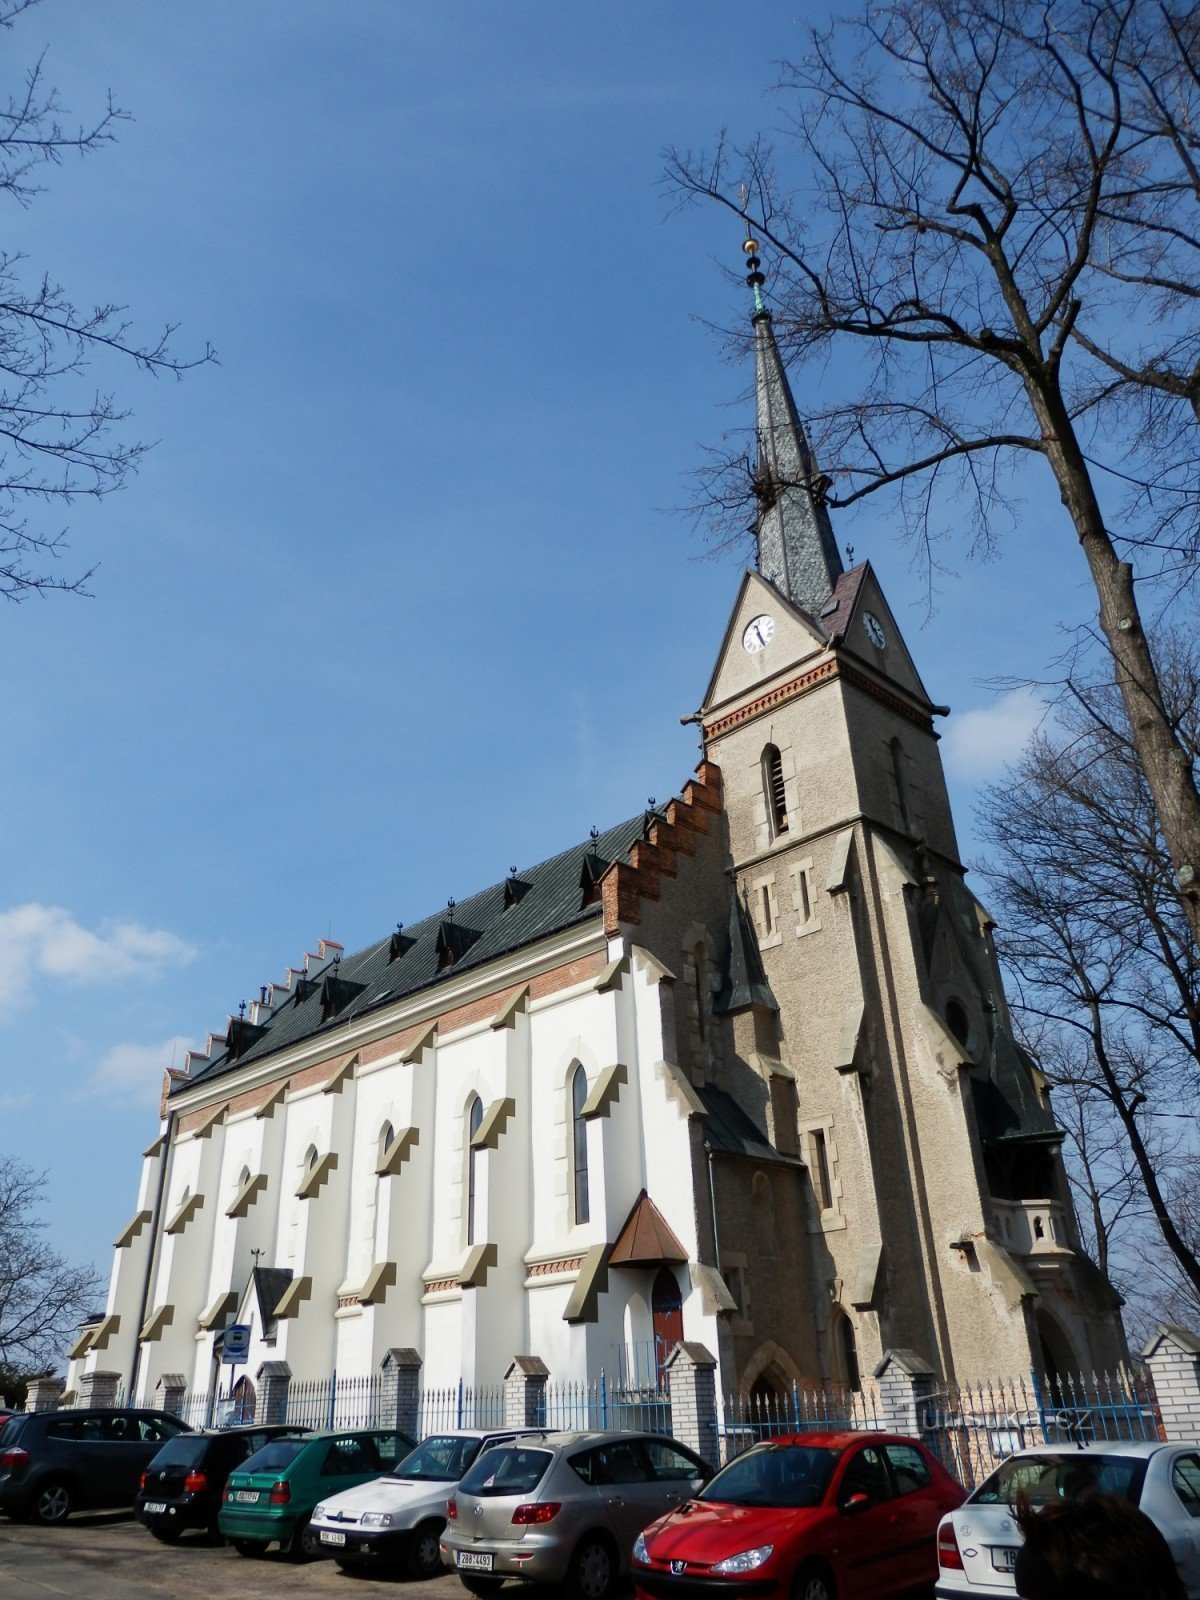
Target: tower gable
x=861, y=598
x=794, y=638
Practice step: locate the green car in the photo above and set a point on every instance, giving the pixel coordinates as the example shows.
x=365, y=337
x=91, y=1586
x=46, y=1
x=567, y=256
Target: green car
x=271, y=1496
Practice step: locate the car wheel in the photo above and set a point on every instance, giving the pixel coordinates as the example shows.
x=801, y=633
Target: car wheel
x=476, y=1585
x=166, y=1535
x=592, y=1574
x=295, y=1549
x=814, y=1582
x=424, y=1557
x=51, y=1504
x=250, y=1547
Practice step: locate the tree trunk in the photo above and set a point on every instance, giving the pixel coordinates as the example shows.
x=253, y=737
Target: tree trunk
x=1165, y=762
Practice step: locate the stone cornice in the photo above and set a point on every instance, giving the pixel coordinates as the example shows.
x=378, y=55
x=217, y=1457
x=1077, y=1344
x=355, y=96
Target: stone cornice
x=832, y=667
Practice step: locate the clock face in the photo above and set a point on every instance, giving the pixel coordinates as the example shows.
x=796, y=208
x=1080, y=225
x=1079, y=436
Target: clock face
x=758, y=634
x=874, y=629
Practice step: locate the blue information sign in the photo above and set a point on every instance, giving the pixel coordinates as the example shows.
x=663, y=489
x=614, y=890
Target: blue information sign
x=236, y=1344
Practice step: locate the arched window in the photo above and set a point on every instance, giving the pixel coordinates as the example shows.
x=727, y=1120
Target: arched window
x=773, y=792
x=958, y=1021
x=845, y=1351
x=579, y=1149
x=474, y=1120
x=386, y=1134
x=897, y=753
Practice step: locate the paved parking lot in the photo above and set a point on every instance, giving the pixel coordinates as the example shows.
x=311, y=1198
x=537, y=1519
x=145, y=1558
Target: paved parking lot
x=111, y=1557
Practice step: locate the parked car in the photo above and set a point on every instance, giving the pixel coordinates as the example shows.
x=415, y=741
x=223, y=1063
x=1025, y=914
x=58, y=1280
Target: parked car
x=270, y=1497
x=563, y=1507
x=977, y=1544
x=56, y=1462
x=396, y=1522
x=182, y=1487
x=811, y=1515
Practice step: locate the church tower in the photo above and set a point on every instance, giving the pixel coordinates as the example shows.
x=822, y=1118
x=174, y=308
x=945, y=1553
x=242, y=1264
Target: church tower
x=862, y=983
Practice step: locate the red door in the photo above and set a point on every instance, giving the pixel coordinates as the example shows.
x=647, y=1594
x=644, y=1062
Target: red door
x=666, y=1306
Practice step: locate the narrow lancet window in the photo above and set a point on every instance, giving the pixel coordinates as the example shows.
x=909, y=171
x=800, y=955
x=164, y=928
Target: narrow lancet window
x=772, y=766
x=474, y=1120
x=579, y=1149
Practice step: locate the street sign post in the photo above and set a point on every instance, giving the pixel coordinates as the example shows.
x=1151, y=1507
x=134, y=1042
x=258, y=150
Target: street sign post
x=235, y=1347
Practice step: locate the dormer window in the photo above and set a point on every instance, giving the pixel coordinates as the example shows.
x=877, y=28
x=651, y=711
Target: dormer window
x=336, y=995
x=399, y=944
x=515, y=889
x=593, y=869
x=453, y=942
x=773, y=790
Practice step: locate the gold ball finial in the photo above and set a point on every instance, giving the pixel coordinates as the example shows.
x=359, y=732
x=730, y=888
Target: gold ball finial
x=750, y=246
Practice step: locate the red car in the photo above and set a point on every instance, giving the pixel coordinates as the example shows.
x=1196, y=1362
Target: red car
x=809, y=1516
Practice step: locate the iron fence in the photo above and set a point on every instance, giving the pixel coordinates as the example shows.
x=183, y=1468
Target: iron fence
x=336, y=1403
x=749, y=1418
x=972, y=1427
x=602, y=1403
x=462, y=1405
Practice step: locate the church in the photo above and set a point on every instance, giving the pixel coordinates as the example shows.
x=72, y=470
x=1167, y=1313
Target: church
x=738, y=1070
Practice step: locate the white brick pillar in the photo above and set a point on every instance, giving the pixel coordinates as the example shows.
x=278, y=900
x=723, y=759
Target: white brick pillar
x=98, y=1388
x=274, y=1379
x=169, y=1393
x=906, y=1382
x=525, y=1392
x=692, y=1380
x=1173, y=1356
x=400, y=1406
x=44, y=1394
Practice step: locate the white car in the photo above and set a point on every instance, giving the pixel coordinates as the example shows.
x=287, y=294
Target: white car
x=395, y=1523
x=977, y=1544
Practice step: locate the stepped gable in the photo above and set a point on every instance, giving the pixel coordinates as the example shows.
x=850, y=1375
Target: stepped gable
x=666, y=834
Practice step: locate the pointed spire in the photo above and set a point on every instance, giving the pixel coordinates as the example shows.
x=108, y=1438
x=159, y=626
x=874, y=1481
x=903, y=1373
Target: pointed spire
x=797, y=551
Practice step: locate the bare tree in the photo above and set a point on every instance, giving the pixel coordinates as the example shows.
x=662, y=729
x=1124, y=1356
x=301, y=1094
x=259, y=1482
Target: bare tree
x=993, y=215
x=42, y=1296
x=1106, y=974
x=59, y=436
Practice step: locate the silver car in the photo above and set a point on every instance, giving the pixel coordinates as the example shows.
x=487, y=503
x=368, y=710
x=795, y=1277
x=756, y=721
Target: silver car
x=394, y=1523
x=978, y=1543
x=564, y=1507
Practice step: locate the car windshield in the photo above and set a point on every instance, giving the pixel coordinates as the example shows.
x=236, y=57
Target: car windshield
x=1062, y=1475
x=275, y=1456
x=439, y=1460
x=509, y=1469
x=184, y=1450
x=774, y=1475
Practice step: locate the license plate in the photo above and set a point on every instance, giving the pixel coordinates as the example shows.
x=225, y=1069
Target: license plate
x=246, y=1497
x=1004, y=1559
x=155, y=1507
x=332, y=1538
x=473, y=1560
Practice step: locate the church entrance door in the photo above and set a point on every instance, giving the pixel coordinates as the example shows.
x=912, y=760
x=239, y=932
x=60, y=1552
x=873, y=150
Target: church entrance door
x=666, y=1311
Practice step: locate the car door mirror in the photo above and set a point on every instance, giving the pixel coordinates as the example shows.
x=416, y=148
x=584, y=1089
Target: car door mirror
x=855, y=1504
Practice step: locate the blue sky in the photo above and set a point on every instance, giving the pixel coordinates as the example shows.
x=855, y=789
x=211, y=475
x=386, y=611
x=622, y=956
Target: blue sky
x=399, y=599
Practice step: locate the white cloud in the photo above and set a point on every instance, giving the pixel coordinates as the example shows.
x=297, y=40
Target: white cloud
x=37, y=940
x=978, y=744
x=133, y=1072
x=15, y=1102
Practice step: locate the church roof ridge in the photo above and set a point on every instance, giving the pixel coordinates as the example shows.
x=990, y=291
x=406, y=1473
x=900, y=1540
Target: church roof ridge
x=552, y=902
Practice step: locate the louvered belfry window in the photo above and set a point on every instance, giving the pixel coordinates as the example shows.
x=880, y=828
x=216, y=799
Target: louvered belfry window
x=773, y=783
